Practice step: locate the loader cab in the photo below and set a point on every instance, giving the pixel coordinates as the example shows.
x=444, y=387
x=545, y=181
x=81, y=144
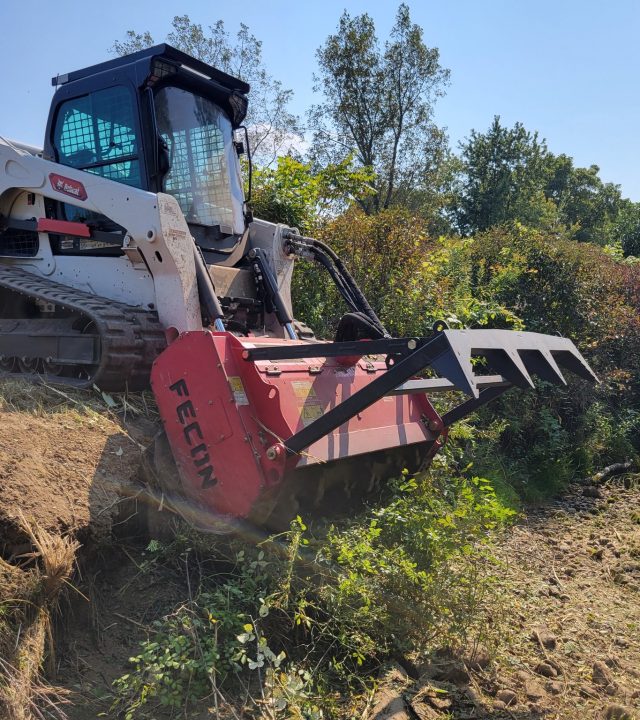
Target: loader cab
x=161, y=121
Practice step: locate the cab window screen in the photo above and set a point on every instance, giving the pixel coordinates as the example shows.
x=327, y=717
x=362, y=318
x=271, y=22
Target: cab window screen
x=203, y=172
x=97, y=133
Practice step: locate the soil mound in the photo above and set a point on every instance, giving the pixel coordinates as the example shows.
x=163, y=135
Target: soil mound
x=66, y=461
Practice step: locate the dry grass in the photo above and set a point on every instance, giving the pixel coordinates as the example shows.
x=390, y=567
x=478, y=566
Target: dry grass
x=29, y=598
x=41, y=701
x=56, y=555
x=42, y=400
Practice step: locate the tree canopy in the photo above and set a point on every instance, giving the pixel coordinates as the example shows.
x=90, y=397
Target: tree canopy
x=502, y=178
x=378, y=106
x=509, y=174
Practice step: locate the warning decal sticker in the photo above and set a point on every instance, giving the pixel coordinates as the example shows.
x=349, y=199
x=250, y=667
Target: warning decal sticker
x=237, y=388
x=309, y=413
x=303, y=389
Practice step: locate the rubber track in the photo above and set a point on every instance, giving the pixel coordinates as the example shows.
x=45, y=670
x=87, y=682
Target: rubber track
x=130, y=337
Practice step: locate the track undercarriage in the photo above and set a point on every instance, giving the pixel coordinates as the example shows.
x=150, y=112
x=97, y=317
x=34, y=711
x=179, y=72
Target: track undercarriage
x=71, y=337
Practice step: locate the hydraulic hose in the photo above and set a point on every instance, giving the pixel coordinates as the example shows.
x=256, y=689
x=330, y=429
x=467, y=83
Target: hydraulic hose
x=353, y=295
x=267, y=281
x=345, y=291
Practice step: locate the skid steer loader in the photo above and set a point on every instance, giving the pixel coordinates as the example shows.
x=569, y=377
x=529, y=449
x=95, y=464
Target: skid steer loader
x=129, y=256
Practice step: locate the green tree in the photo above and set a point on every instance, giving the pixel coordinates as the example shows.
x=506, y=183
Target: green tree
x=587, y=206
x=378, y=106
x=502, y=179
x=627, y=228
x=273, y=129
x=508, y=175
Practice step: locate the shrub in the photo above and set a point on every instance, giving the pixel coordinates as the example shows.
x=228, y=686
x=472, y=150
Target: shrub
x=510, y=277
x=313, y=612
x=410, y=278
x=579, y=291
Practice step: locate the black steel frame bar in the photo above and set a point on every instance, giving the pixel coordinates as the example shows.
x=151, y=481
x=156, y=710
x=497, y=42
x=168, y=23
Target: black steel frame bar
x=289, y=351
x=368, y=395
x=474, y=403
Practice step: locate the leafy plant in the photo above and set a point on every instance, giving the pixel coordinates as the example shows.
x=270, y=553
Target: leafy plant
x=315, y=610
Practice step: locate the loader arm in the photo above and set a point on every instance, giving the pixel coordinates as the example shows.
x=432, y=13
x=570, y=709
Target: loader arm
x=154, y=224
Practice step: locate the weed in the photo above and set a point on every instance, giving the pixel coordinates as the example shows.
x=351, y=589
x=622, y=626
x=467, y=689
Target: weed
x=314, y=611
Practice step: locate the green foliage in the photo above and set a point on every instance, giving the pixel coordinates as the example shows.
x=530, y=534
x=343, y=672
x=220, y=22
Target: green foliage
x=411, y=279
x=503, y=174
x=627, y=228
x=209, y=641
x=416, y=569
x=312, y=613
x=560, y=286
x=188, y=650
x=508, y=175
x=555, y=285
x=587, y=207
x=294, y=194
x=511, y=277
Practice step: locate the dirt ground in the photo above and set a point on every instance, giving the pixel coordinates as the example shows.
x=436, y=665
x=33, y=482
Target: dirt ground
x=98, y=633
x=569, y=619
x=574, y=569
x=567, y=616
x=64, y=462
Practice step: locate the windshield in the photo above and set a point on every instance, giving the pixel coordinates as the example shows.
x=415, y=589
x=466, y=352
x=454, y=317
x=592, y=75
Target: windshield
x=204, y=173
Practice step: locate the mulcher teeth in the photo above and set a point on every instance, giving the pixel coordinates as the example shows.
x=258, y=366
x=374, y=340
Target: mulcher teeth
x=515, y=355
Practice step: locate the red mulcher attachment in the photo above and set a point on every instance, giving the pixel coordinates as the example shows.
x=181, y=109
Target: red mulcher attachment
x=241, y=414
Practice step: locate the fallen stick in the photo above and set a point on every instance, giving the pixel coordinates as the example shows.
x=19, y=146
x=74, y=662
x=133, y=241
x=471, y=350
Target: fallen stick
x=615, y=469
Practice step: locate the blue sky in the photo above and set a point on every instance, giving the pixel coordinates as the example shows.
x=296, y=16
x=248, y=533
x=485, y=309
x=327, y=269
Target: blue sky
x=569, y=69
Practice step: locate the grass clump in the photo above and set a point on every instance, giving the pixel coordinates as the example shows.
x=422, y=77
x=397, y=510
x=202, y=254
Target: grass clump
x=29, y=597
x=42, y=400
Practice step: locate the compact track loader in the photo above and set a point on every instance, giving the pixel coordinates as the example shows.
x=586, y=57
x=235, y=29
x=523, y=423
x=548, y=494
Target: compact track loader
x=129, y=256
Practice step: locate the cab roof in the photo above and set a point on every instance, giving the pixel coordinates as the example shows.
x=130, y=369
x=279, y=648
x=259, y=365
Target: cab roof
x=147, y=56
